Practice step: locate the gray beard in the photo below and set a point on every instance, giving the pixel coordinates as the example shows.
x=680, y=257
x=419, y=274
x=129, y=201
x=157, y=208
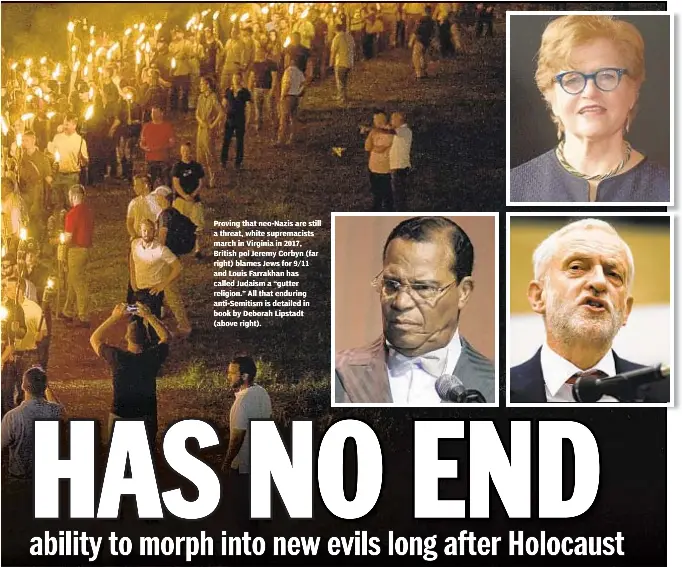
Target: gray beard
x=569, y=326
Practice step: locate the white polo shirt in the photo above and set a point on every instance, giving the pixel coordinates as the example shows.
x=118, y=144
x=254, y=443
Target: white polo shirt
x=296, y=80
x=150, y=262
x=69, y=146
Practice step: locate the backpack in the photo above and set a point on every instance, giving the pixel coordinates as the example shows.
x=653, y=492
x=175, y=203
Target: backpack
x=181, y=236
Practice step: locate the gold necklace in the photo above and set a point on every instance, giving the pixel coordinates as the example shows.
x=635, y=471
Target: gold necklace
x=600, y=177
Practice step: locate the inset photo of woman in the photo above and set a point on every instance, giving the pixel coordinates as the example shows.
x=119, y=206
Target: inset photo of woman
x=589, y=108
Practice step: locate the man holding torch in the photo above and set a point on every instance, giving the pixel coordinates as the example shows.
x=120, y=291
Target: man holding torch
x=25, y=348
x=13, y=330
x=70, y=152
x=35, y=178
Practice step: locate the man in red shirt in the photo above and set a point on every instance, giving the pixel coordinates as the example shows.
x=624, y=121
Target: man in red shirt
x=79, y=226
x=157, y=140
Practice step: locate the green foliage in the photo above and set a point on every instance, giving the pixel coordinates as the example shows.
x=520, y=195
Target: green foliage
x=196, y=375
x=266, y=373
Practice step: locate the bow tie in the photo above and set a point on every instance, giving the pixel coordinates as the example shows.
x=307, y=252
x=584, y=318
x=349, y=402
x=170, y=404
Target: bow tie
x=431, y=363
x=590, y=373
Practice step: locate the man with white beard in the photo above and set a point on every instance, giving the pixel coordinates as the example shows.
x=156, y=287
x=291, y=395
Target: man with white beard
x=582, y=287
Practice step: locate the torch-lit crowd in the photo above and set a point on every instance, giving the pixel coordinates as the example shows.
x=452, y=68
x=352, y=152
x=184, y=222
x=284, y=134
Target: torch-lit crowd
x=110, y=108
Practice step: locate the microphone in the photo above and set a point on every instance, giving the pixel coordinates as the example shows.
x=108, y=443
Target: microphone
x=623, y=387
x=451, y=389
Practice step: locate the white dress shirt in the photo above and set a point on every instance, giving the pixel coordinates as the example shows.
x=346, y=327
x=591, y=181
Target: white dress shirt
x=399, y=154
x=556, y=370
x=410, y=383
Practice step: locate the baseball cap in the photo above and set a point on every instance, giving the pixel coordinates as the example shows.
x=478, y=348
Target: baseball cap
x=163, y=191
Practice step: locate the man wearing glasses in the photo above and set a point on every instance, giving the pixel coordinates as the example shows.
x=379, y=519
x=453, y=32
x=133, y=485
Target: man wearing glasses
x=425, y=283
x=590, y=70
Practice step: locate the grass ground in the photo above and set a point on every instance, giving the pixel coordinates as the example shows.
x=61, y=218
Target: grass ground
x=458, y=155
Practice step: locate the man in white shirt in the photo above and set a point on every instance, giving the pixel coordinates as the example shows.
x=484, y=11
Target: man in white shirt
x=293, y=87
x=153, y=267
x=399, y=157
x=582, y=287
x=72, y=151
x=424, y=285
x=251, y=402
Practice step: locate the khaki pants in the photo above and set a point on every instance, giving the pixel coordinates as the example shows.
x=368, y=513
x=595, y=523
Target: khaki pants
x=77, y=283
x=288, y=119
x=204, y=151
x=263, y=105
x=420, y=59
x=176, y=305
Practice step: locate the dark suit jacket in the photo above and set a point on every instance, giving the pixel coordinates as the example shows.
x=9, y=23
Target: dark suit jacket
x=362, y=376
x=527, y=384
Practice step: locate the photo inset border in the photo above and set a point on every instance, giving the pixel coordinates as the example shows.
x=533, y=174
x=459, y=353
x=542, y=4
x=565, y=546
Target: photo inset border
x=358, y=241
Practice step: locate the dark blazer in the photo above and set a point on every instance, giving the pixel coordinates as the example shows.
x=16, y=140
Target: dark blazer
x=527, y=384
x=362, y=376
x=545, y=179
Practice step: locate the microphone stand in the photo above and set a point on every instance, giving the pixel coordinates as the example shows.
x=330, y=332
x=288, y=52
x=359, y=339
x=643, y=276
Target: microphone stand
x=624, y=387
x=475, y=397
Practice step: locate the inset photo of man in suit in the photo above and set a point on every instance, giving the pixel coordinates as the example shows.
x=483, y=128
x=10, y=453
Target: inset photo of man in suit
x=415, y=310
x=582, y=328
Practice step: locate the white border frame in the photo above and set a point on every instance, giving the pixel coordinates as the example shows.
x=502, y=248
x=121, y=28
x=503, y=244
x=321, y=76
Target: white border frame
x=671, y=202
x=496, y=403
x=671, y=330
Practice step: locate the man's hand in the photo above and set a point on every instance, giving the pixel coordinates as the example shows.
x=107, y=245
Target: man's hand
x=119, y=311
x=157, y=289
x=143, y=310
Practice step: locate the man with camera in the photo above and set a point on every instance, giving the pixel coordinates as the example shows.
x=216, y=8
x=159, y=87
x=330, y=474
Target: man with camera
x=134, y=370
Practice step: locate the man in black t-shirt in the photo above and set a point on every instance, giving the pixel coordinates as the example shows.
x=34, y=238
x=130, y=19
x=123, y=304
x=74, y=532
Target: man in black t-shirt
x=134, y=370
x=263, y=75
x=187, y=175
x=234, y=102
x=188, y=178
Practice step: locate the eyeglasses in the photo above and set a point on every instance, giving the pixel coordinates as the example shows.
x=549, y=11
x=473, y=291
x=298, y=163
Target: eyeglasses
x=391, y=288
x=574, y=82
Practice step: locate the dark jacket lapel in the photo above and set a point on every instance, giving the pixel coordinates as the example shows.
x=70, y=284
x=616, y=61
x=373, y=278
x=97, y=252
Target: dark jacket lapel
x=527, y=382
x=363, y=374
